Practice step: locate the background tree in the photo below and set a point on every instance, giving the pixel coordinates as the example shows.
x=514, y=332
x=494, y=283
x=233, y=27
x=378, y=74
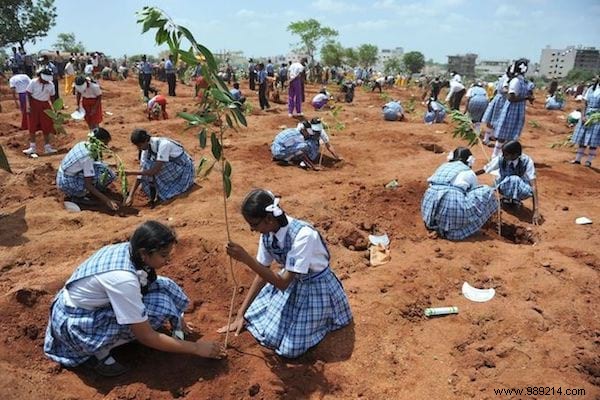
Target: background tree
x=332, y=54
x=367, y=55
x=414, y=61
x=67, y=42
x=351, y=56
x=311, y=34
x=393, y=66
x=23, y=21
x=579, y=76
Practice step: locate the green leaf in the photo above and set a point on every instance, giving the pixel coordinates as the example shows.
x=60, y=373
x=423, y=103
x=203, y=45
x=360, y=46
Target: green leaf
x=189, y=117
x=229, y=121
x=240, y=116
x=227, y=170
x=58, y=104
x=227, y=185
x=592, y=119
x=4, y=161
x=188, y=57
x=223, y=97
x=201, y=165
x=202, y=138
x=215, y=146
x=204, y=174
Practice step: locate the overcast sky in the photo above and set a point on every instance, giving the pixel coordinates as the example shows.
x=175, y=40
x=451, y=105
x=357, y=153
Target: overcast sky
x=493, y=29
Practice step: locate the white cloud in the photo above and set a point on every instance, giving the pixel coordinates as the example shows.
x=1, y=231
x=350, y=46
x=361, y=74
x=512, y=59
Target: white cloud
x=506, y=11
x=369, y=25
x=334, y=6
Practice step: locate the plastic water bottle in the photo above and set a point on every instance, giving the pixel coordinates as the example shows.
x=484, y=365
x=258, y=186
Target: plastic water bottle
x=430, y=312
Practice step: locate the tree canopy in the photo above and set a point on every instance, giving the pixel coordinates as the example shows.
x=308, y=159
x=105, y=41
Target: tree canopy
x=311, y=34
x=67, y=42
x=332, y=53
x=393, y=66
x=367, y=55
x=579, y=75
x=414, y=61
x=23, y=21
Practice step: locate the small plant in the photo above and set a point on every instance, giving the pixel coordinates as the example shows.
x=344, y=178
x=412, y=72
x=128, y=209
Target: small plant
x=564, y=143
x=385, y=97
x=534, y=124
x=97, y=149
x=463, y=127
x=594, y=118
x=58, y=118
x=338, y=125
x=4, y=161
x=410, y=105
x=248, y=108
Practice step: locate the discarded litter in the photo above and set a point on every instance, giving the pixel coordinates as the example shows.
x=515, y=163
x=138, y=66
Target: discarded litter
x=78, y=114
x=33, y=155
x=108, y=113
x=478, y=295
x=379, y=239
x=583, y=221
x=430, y=312
x=71, y=207
x=393, y=184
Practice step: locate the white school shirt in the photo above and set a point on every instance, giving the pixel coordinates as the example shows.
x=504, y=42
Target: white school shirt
x=465, y=180
x=320, y=97
x=40, y=91
x=69, y=69
x=295, y=69
x=19, y=82
x=88, y=69
x=590, y=91
x=85, y=164
x=455, y=86
x=164, y=149
x=494, y=165
x=121, y=289
x=91, y=91
x=306, y=255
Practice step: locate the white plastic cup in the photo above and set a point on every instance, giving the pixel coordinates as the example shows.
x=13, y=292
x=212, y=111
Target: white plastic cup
x=430, y=312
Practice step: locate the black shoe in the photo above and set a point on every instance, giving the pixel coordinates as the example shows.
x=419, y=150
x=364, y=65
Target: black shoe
x=576, y=162
x=108, y=370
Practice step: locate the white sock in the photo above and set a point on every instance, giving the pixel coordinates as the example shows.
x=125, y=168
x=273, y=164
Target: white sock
x=580, y=153
x=591, y=154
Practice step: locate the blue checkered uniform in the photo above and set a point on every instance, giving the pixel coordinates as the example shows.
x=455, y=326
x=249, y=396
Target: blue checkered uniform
x=74, y=334
x=293, y=320
x=512, y=182
x=174, y=178
x=588, y=136
x=553, y=104
x=452, y=212
x=492, y=111
x=314, y=146
x=512, y=117
x=288, y=145
x=430, y=115
x=478, y=103
x=74, y=185
x=391, y=110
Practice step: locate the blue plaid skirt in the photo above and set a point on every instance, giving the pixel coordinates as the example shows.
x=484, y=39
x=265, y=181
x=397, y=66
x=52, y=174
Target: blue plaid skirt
x=74, y=185
x=430, y=116
x=313, y=149
x=73, y=334
x=586, y=136
x=511, y=121
x=289, y=153
x=454, y=214
x=492, y=111
x=476, y=107
x=515, y=187
x=174, y=178
x=293, y=320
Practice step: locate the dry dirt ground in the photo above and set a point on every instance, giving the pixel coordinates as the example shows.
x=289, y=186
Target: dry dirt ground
x=541, y=329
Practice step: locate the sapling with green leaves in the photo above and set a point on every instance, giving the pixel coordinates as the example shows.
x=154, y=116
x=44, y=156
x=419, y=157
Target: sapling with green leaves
x=97, y=149
x=58, y=117
x=217, y=112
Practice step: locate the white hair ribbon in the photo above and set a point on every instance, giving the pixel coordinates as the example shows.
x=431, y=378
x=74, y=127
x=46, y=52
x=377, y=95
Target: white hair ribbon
x=142, y=276
x=450, y=156
x=274, y=208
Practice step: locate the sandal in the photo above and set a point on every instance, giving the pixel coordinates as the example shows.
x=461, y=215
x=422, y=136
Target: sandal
x=575, y=162
x=108, y=370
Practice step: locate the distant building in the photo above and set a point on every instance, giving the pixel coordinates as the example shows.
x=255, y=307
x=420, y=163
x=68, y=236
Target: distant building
x=236, y=58
x=296, y=56
x=464, y=65
x=556, y=63
x=386, y=54
x=491, y=67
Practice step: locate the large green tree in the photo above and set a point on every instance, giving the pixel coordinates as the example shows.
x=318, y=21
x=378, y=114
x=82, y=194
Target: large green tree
x=393, y=66
x=311, y=34
x=414, y=61
x=23, y=21
x=367, y=55
x=332, y=54
x=67, y=42
x=351, y=56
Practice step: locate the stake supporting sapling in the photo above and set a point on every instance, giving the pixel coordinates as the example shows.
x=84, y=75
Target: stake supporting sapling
x=217, y=108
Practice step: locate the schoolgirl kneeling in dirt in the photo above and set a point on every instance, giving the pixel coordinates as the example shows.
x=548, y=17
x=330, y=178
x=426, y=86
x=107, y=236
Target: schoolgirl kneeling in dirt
x=83, y=173
x=167, y=169
x=290, y=311
x=115, y=297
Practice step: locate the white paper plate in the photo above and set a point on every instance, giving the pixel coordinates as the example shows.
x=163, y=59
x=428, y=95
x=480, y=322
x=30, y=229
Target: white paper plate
x=583, y=221
x=71, y=207
x=478, y=295
x=381, y=239
x=78, y=114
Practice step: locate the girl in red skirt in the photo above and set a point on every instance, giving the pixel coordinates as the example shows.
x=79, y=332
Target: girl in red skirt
x=39, y=93
x=89, y=95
